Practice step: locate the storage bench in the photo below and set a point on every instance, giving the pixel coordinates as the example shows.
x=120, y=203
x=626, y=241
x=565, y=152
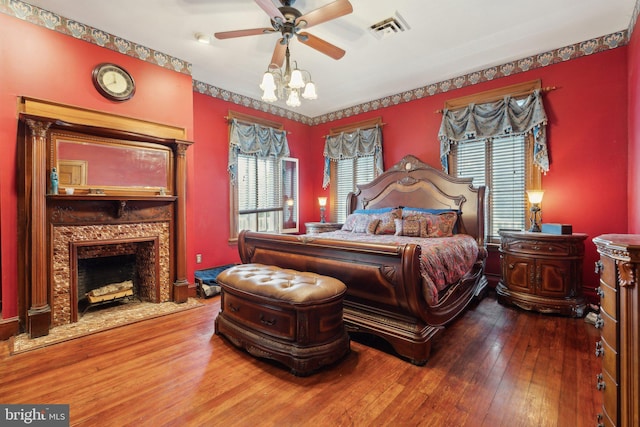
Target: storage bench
x=285, y=315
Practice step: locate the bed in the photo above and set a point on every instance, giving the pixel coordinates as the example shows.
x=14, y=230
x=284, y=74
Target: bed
x=390, y=293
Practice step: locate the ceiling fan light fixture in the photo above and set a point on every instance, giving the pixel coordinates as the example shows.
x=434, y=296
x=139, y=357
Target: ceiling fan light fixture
x=268, y=82
x=269, y=95
x=203, y=38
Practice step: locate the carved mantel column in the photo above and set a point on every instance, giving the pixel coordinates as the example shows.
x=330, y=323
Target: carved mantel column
x=181, y=285
x=39, y=312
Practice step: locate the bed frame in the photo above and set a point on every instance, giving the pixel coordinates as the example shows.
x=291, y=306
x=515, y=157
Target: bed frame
x=384, y=286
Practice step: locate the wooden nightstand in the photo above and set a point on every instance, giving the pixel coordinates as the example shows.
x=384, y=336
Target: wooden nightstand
x=542, y=272
x=321, y=227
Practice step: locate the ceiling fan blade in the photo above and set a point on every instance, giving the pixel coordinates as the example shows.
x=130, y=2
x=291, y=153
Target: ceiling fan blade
x=325, y=13
x=321, y=45
x=242, y=33
x=271, y=9
x=278, y=53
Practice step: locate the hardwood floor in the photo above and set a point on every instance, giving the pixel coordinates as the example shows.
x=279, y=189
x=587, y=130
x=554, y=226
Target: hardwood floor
x=494, y=366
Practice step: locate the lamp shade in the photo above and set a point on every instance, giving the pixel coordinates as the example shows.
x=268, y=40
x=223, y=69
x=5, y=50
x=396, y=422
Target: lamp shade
x=296, y=81
x=293, y=100
x=535, y=196
x=322, y=201
x=269, y=95
x=310, y=91
x=268, y=83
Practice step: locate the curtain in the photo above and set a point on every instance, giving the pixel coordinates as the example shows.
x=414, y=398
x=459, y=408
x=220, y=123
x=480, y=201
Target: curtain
x=254, y=139
x=488, y=120
x=349, y=145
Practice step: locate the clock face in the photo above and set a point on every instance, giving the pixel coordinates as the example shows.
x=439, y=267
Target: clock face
x=113, y=82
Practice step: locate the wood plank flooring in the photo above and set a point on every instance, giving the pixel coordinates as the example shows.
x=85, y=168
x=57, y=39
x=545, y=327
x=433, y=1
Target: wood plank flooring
x=495, y=366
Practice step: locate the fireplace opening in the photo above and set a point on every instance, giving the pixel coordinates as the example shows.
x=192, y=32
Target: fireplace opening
x=96, y=274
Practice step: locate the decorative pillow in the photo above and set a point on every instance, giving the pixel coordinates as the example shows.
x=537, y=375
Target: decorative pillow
x=441, y=225
x=387, y=223
x=411, y=227
x=374, y=211
x=365, y=224
x=350, y=222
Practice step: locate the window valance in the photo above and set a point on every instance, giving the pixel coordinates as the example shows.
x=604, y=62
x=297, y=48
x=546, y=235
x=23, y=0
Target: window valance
x=254, y=139
x=349, y=145
x=507, y=116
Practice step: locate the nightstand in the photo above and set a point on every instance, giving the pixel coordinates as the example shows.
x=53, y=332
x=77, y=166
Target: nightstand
x=542, y=272
x=321, y=227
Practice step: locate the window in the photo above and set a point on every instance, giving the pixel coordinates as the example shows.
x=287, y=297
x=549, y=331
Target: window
x=259, y=197
x=263, y=184
x=345, y=175
x=502, y=164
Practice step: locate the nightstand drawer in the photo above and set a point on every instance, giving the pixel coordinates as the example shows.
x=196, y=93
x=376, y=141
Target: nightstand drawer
x=608, y=271
x=537, y=247
x=609, y=359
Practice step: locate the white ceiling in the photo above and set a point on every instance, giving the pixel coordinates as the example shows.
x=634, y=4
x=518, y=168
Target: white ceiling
x=447, y=38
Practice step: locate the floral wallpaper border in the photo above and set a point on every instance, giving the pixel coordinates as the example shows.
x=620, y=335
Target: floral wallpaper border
x=78, y=30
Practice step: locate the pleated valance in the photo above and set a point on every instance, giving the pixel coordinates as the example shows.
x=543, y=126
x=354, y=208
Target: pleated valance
x=507, y=116
x=254, y=139
x=350, y=145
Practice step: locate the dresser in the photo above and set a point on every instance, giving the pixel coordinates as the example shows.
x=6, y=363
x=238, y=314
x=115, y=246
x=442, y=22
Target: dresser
x=542, y=272
x=619, y=324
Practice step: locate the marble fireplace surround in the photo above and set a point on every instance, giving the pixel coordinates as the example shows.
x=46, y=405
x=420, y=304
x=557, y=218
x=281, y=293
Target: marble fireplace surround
x=55, y=227
x=150, y=243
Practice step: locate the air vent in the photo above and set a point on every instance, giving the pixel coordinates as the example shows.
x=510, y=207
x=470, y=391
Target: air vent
x=387, y=27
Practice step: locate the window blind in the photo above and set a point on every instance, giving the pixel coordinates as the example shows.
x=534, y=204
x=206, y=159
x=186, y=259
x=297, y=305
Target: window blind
x=499, y=164
x=349, y=173
x=259, y=193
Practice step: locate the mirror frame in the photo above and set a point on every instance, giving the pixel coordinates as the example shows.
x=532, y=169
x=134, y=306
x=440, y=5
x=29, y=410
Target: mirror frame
x=81, y=167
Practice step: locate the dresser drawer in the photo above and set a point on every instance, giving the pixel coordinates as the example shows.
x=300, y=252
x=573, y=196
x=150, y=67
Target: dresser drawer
x=609, y=359
x=608, y=299
x=608, y=271
x=608, y=329
x=610, y=396
x=537, y=247
x=272, y=321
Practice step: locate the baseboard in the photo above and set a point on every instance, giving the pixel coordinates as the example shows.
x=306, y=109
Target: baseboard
x=9, y=327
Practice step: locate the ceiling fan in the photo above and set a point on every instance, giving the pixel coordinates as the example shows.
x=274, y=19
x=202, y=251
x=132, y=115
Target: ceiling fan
x=289, y=21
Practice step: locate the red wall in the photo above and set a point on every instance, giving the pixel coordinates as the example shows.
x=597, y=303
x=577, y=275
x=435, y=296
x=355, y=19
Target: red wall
x=633, y=118
x=40, y=63
x=210, y=201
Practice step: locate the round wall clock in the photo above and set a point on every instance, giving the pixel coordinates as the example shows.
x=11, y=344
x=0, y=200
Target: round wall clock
x=113, y=82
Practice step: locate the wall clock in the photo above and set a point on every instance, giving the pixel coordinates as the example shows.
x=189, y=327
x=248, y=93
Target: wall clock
x=113, y=82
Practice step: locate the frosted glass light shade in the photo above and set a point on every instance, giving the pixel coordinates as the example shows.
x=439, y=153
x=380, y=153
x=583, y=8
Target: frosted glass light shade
x=293, y=100
x=296, y=81
x=268, y=83
x=535, y=196
x=322, y=201
x=310, y=91
x=269, y=95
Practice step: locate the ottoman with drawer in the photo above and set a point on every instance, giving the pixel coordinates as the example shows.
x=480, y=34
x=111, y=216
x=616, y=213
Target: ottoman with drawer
x=285, y=315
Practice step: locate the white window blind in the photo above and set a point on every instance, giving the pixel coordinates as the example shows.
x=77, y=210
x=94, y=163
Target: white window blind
x=499, y=164
x=348, y=174
x=259, y=194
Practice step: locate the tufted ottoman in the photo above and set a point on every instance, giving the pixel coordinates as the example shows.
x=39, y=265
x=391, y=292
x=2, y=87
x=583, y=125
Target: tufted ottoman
x=285, y=315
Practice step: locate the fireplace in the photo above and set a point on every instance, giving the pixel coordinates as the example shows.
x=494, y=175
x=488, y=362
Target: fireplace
x=128, y=202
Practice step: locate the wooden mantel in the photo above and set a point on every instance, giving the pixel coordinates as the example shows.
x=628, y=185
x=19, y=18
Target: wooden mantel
x=38, y=119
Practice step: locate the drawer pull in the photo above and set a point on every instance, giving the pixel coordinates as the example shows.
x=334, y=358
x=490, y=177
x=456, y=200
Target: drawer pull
x=233, y=308
x=535, y=248
x=599, y=418
x=599, y=267
x=599, y=322
x=600, y=385
x=268, y=322
x=600, y=292
x=599, y=349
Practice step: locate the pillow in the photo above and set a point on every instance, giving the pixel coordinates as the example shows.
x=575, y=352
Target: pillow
x=350, y=222
x=442, y=225
x=411, y=227
x=387, y=223
x=365, y=224
x=374, y=211
x=411, y=211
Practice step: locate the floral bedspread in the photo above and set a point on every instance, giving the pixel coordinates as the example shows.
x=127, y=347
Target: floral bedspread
x=443, y=260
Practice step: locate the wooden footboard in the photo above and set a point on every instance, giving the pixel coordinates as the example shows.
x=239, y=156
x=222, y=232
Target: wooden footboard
x=384, y=286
